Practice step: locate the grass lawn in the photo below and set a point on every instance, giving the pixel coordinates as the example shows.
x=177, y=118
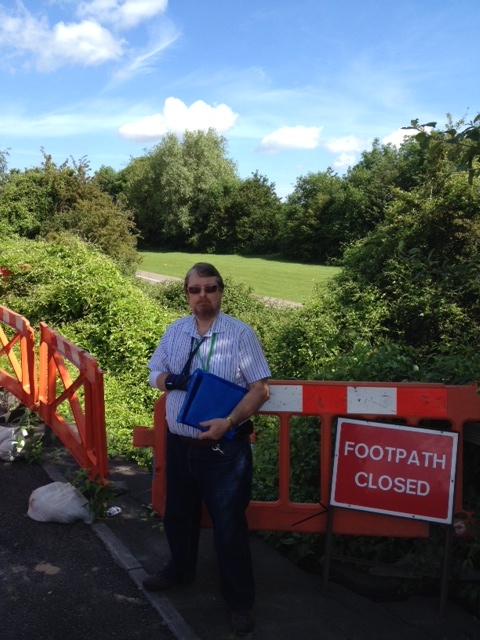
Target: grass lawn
x=267, y=277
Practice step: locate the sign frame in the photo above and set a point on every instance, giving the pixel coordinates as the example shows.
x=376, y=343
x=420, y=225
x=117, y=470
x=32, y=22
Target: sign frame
x=372, y=490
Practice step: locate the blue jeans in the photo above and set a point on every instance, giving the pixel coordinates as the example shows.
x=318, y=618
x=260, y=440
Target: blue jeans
x=224, y=482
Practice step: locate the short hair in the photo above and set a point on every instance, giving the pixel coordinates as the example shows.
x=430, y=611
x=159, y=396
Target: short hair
x=204, y=270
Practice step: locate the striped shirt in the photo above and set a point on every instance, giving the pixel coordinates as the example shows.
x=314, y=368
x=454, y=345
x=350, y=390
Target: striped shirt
x=230, y=350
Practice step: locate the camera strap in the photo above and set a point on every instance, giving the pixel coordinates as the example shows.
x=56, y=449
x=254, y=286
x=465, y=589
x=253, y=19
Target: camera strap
x=193, y=351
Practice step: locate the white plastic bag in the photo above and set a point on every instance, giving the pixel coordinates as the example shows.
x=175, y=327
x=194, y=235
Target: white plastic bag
x=11, y=442
x=58, y=502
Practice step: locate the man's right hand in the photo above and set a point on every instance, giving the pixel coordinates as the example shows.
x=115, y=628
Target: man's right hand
x=176, y=381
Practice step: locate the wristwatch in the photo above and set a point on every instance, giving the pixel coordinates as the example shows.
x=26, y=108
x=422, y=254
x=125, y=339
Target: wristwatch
x=229, y=422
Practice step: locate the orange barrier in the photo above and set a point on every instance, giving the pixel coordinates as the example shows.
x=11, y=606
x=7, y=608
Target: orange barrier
x=425, y=405
x=76, y=413
x=19, y=350
x=157, y=439
x=80, y=425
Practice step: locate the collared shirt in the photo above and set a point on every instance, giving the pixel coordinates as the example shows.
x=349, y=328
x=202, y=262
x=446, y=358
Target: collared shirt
x=236, y=356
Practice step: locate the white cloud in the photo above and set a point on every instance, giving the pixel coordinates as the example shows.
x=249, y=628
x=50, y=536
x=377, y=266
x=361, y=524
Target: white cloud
x=92, y=117
x=143, y=63
x=345, y=144
x=37, y=126
x=288, y=138
x=178, y=118
x=397, y=137
x=86, y=43
x=122, y=14
x=83, y=41
x=345, y=149
x=344, y=160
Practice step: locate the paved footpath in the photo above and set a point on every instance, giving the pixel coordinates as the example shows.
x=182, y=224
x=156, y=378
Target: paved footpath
x=60, y=582
x=83, y=581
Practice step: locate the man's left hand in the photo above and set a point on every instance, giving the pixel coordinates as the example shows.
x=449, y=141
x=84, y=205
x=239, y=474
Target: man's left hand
x=217, y=428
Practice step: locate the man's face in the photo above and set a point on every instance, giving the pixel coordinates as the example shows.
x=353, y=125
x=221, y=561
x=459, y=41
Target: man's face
x=203, y=296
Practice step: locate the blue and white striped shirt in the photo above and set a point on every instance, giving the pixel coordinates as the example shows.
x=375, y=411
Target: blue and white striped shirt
x=236, y=356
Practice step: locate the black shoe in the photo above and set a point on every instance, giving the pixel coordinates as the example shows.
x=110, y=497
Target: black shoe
x=160, y=582
x=157, y=583
x=242, y=622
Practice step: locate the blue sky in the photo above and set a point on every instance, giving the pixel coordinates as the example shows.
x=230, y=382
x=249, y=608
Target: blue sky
x=295, y=86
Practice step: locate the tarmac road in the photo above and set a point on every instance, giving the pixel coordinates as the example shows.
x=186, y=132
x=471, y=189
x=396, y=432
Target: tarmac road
x=82, y=581
x=59, y=581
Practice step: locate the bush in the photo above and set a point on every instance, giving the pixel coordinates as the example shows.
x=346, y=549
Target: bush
x=52, y=199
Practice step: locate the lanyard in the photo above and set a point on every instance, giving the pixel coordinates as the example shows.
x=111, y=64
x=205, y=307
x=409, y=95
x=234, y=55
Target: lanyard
x=206, y=364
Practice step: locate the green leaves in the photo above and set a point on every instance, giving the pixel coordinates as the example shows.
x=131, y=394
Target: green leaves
x=461, y=145
x=97, y=493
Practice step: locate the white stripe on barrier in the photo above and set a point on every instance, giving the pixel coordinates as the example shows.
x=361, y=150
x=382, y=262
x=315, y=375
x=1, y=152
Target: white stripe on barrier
x=378, y=400
x=61, y=345
x=12, y=319
x=284, y=397
x=70, y=352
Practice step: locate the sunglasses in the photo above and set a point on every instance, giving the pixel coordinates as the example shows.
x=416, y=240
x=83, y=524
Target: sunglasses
x=208, y=288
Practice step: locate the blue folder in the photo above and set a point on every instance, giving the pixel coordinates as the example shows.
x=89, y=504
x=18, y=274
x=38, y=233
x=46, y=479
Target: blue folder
x=209, y=396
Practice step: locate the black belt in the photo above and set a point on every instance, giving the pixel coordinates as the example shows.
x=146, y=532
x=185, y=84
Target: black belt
x=242, y=432
x=196, y=442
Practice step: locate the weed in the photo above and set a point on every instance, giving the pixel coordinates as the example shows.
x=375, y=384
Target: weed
x=96, y=492
x=28, y=442
x=150, y=515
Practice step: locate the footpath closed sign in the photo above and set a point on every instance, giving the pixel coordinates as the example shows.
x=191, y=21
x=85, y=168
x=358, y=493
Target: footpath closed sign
x=396, y=470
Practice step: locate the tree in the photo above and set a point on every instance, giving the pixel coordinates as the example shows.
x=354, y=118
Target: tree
x=251, y=219
x=180, y=188
x=50, y=199
x=5, y=228
x=379, y=173
x=110, y=181
x=374, y=175
x=460, y=145
x=424, y=260
x=318, y=218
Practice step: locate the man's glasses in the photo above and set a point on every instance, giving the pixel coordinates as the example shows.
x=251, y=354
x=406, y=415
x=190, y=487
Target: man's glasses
x=208, y=288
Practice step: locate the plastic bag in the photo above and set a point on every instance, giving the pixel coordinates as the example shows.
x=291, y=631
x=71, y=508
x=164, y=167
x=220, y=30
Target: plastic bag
x=58, y=502
x=11, y=442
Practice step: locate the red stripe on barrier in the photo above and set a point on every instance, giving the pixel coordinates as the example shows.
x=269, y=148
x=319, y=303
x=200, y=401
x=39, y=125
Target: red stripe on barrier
x=327, y=398
x=425, y=402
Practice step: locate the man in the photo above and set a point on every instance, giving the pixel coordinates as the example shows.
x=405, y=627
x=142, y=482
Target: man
x=203, y=465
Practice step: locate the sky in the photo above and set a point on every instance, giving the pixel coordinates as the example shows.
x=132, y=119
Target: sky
x=294, y=86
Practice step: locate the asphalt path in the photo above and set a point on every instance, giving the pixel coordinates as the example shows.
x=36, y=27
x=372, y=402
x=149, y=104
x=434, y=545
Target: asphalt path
x=60, y=581
x=83, y=581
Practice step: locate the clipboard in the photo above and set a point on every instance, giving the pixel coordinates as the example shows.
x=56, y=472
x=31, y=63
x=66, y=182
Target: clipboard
x=209, y=396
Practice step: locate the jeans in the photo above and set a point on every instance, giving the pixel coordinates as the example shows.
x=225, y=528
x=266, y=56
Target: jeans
x=223, y=479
